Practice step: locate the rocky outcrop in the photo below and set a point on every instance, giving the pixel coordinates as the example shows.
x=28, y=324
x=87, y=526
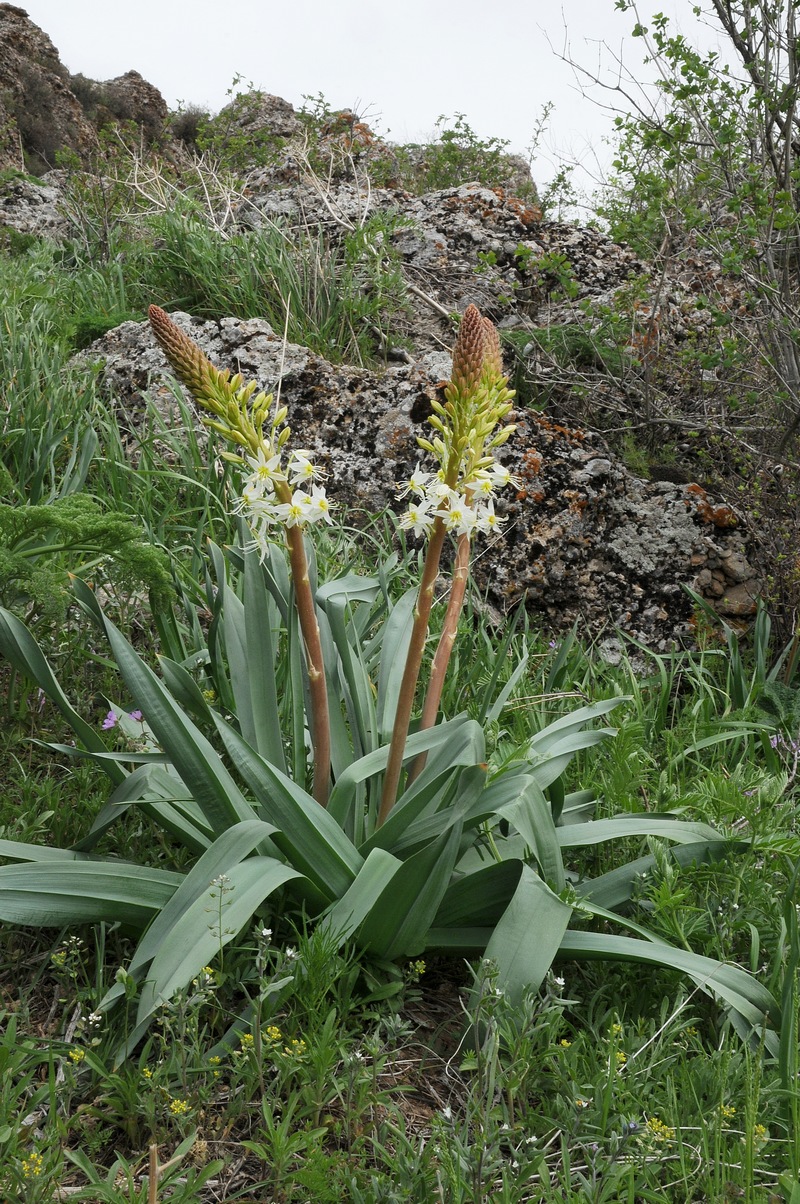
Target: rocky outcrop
x=130, y=97
x=44, y=110
x=39, y=115
x=584, y=537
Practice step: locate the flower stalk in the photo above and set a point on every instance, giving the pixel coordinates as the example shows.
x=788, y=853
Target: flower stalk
x=273, y=495
x=458, y=498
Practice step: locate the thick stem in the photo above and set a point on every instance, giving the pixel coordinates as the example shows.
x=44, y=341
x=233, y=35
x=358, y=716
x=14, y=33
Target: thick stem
x=318, y=690
x=447, y=639
x=408, y=685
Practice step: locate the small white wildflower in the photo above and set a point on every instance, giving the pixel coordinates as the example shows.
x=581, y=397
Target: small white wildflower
x=295, y=512
x=459, y=517
x=290, y=954
x=418, y=518
x=266, y=933
x=265, y=468
x=487, y=520
x=300, y=468
x=319, y=508
x=416, y=483
x=559, y=982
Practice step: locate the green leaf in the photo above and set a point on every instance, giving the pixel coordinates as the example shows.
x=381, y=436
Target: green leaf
x=52, y=893
x=193, y=756
x=227, y=851
x=620, y=827
x=480, y=897
x=344, y=917
x=528, y=936
x=532, y=817
x=397, y=924
x=616, y=887
x=261, y=621
x=307, y=835
x=394, y=652
x=210, y=922
x=739, y=990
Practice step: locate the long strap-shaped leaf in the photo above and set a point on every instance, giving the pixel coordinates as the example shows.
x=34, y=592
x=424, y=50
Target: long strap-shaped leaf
x=227, y=851
x=193, y=756
x=211, y=921
x=528, y=936
x=753, y=1002
x=397, y=924
x=307, y=835
x=51, y=894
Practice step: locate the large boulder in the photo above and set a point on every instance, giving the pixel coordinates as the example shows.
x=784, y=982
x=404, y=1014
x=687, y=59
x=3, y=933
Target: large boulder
x=585, y=538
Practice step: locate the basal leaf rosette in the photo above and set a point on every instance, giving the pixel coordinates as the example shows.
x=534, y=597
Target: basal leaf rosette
x=280, y=487
x=469, y=429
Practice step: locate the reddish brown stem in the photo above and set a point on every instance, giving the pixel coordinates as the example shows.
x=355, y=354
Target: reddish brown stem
x=444, y=649
x=408, y=686
x=318, y=690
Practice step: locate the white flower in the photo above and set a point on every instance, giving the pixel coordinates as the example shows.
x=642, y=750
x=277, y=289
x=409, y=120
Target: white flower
x=482, y=484
x=295, y=512
x=319, y=507
x=418, y=518
x=300, y=468
x=265, y=468
x=416, y=483
x=459, y=517
x=487, y=519
x=290, y=954
x=500, y=476
x=266, y=933
x=262, y=509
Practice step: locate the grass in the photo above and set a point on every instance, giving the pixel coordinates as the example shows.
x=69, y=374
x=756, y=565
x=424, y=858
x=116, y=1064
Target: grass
x=348, y=1079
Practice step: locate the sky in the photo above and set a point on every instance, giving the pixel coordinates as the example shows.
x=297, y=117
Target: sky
x=402, y=64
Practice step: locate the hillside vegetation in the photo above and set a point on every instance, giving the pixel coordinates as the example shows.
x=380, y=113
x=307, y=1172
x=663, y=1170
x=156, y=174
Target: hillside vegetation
x=322, y=879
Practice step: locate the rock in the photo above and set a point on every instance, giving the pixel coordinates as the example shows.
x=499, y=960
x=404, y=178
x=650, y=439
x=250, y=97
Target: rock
x=739, y=601
x=31, y=207
x=615, y=553
x=130, y=97
x=35, y=96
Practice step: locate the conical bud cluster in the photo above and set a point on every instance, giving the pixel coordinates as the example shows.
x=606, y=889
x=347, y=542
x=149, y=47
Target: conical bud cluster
x=191, y=366
x=275, y=491
x=468, y=426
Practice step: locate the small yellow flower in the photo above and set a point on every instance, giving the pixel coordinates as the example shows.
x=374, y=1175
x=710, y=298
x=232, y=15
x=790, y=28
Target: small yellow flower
x=247, y=1040
x=418, y=967
x=179, y=1107
x=210, y=695
x=32, y=1166
x=657, y=1129
x=726, y=1111
x=564, y=1043
x=77, y=1055
x=215, y=1060
x=147, y=1072
x=691, y=1031
x=274, y=1033
x=621, y=1057
x=616, y=1029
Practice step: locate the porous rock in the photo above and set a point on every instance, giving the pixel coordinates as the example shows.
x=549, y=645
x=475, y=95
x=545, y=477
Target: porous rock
x=584, y=537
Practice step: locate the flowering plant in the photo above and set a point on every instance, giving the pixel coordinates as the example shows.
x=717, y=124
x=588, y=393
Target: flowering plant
x=405, y=842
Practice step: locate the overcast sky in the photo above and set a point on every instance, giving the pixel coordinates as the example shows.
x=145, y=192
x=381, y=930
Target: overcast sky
x=406, y=64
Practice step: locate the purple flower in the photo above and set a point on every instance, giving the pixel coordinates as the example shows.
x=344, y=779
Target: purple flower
x=774, y=741
x=137, y=715
x=109, y=721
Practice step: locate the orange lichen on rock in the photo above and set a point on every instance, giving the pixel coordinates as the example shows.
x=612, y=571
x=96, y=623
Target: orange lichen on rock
x=720, y=516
